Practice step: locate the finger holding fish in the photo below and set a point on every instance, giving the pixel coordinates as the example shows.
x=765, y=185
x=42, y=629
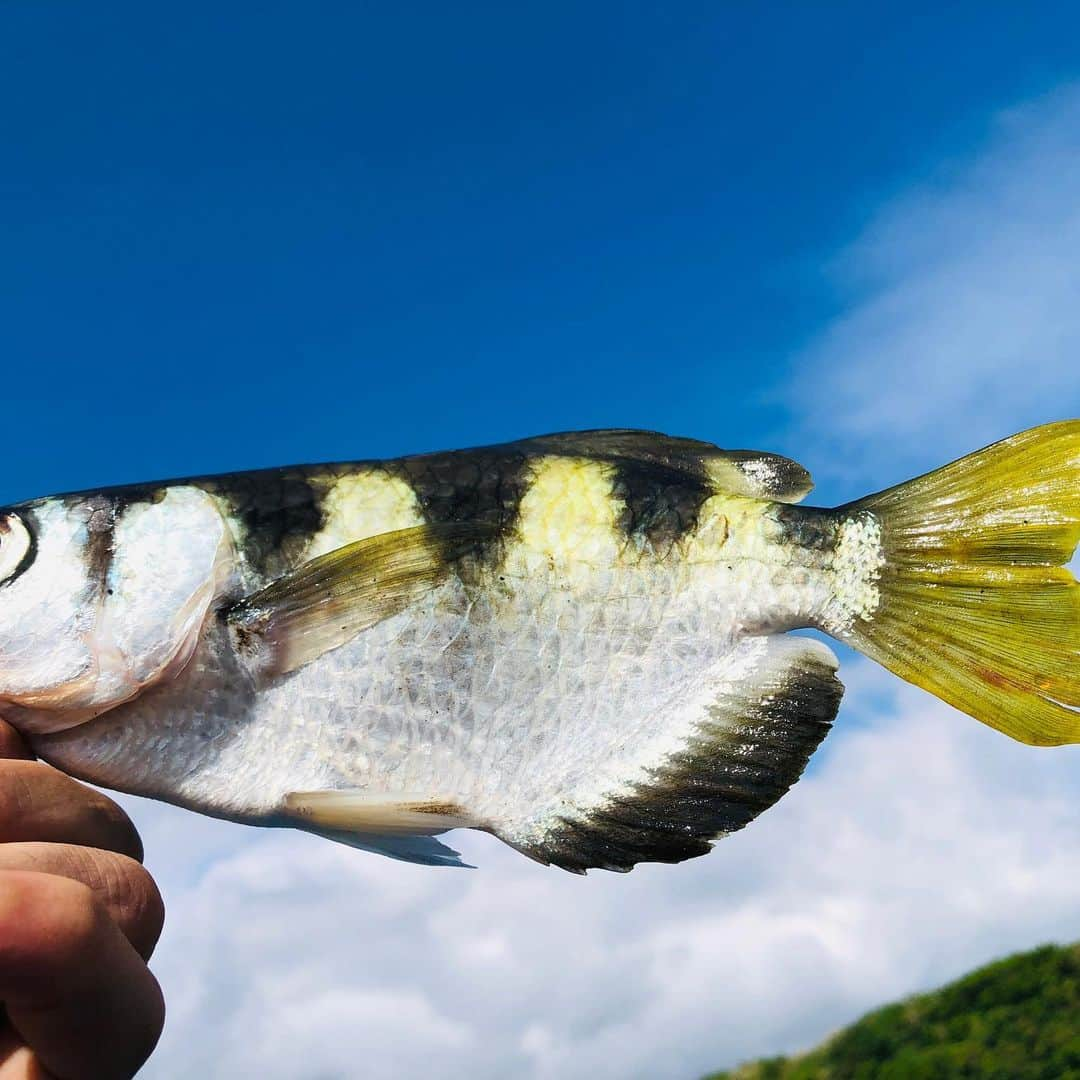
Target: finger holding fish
x=79, y=916
x=39, y=803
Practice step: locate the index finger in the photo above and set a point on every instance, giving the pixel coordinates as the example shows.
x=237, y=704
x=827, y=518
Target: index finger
x=12, y=744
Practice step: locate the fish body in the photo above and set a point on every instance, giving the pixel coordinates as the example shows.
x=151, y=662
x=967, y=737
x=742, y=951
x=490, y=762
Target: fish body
x=576, y=642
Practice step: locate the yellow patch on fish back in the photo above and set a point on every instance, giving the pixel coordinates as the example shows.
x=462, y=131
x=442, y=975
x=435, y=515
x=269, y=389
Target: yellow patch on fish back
x=362, y=505
x=709, y=537
x=729, y=527
x=569, y=516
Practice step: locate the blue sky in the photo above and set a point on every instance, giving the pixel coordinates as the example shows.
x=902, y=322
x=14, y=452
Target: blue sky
x=287, y=232
x=254, y=233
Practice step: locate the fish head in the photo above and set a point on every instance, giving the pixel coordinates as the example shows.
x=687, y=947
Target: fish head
x=101, y=597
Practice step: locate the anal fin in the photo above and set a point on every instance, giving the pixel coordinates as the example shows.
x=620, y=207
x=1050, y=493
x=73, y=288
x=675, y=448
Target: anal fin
x=749, y=739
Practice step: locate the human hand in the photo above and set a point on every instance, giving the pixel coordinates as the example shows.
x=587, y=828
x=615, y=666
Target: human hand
x=79, y=917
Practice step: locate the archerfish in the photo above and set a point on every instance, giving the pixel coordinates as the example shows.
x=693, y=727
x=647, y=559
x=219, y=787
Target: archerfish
x=578, y=643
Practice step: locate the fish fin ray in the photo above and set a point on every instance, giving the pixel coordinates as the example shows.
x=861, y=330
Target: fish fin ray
x=752, y=473
x=972, y=596
x=327, y=601
x=421, y=850
x=749, y=743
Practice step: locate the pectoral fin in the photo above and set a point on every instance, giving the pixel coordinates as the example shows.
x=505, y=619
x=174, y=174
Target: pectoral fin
x=329, y=600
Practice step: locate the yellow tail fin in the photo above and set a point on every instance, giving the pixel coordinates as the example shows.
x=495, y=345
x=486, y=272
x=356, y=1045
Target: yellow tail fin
x=974, y=601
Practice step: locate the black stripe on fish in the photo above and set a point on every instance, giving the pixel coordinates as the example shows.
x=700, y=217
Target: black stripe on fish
x=811, y=528
x=100, y=535
x=280, y=509
x=661, y=503
x=483, y=487
x=732, y=770
x=100, y=512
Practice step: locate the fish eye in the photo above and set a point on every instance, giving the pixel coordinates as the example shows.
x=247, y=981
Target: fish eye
x=16, y=546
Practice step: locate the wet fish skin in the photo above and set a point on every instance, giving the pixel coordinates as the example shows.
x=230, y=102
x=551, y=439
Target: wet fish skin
x=575, y=642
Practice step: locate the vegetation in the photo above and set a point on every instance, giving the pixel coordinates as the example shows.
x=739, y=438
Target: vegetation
x=1017, y=1019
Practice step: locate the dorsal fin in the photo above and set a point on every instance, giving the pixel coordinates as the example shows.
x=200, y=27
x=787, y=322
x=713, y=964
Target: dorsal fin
x=753, y=473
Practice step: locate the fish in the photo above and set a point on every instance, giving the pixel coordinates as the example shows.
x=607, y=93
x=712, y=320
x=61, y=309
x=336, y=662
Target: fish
x=580, y=643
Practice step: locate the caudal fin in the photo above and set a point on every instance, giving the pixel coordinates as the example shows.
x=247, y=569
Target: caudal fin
x=964, y=587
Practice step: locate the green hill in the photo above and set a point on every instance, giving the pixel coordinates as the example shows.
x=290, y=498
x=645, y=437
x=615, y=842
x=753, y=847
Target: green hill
x=1016, y=1019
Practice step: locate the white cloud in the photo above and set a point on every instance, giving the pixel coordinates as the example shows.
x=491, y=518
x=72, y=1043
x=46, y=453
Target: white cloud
x=920, y=844
x=964, y=324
